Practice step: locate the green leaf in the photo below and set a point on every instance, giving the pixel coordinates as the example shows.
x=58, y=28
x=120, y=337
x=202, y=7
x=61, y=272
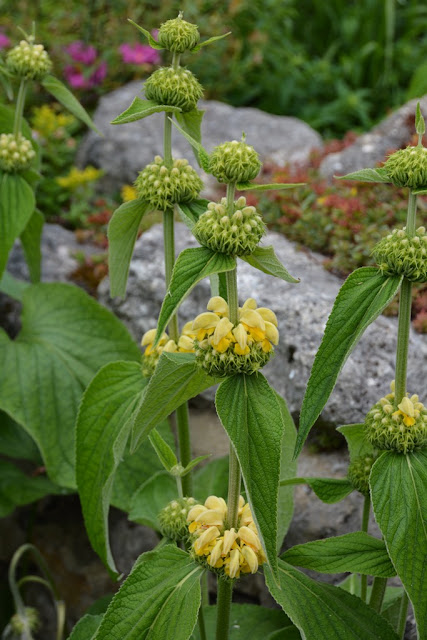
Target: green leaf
x=360, y=300
x=193, y=463
x=390, y=608
x=251, y=415
x=31, y=239
x=288, y=468
x=17, y=489
x=102, y=430
x=151, y=497
x=212, y=479
x=209, y=41
x=141, y=109
x=191, y=266
x=60, y=92
x=276, y=186
x=176, y=379
x=164, y=452
x=328, y=490
x=66, y=337
x=420, y=192
x=122, y=233
x=150, y=604
x=354, y=552
x=398, y=489
x=357, y=443
x=249, y=621
x=324, y=612
x=15, y=441
x=420, y=125
x=13, y=287
x=202, y=154
x=153, y=43
x=191, y=212
x=86, y=627
x=367, y=175
x=16, y=208
x=264, y=259
x=191, y=122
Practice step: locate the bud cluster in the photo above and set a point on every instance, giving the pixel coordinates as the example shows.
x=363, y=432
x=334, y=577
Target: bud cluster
x=359, y=471
x=163, y=186
x=152, y=353
x=234, y=162
x=226, y=552
x=16, y=152
x=29, y=60
x=400, y=254
x=223, y=349
x=408, y=167
x=174, y=88
x=22, y=625
x=402, y=428
x=178, y=36
x=173, y=518
x=236, y=235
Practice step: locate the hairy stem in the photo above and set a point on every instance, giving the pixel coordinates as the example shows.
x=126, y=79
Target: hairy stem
x=365, y=525
x=231, y=188
x=201, y=618
x=223, y=606
x=19, y=109
x=377, y=595
x=175, y=60
x=403, y=614
x=167, y=139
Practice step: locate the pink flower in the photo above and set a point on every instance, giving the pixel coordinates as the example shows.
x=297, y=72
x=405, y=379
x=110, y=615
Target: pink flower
x=4, y=41
x=75, y=78
x=99, y=75
x=80, y=52
x=139, y=54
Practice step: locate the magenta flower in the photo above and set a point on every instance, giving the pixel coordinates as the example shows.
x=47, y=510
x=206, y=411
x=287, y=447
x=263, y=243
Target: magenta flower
x=139, y=54
x=4, y=41
x=80, y=52
x=75, y=78
x=99, y=75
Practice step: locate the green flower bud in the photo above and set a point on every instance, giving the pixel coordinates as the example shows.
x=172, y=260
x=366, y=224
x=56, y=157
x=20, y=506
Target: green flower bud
x=29, y=60
x=148, y=363
x=29, y=622
x=174, y=87
x=358, y=472
x=229, y=363
x=400, y=254
x=16, y=152
x=178, y=35
x=234, y=162
x=163, y=186
x=237, y=235
x=173, y=518
x=402, y=428
x=408, y=167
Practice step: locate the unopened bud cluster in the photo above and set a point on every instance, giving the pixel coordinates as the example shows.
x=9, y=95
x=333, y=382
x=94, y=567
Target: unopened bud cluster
x=29, y=60
x=402, y=428
x=16, y=152
x=226, y=552
x=234, y=162
x=400, y=254
x=235, y=235
x=173, y=518
x=178, y=36
x=359, y=471
x=223, y=349
x=163, y=186
x=21, y=625
x=408, y=167
x=152, y=353
x=174, y=88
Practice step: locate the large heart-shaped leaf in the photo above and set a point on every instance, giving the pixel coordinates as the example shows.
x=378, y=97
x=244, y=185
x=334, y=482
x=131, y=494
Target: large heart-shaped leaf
x=361, y=299
x=251, y=415
x=17, y=204
x=398, y=488
x=66, y=337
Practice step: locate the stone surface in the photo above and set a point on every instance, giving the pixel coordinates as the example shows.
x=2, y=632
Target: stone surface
x=126, y=149
x=302, y=310
x=371, y=148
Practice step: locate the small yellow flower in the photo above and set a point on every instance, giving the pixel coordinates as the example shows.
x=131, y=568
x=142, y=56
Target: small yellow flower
x=77, y=177
x=128, y=193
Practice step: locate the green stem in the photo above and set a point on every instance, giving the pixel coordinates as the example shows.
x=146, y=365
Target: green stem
x=175, y=60
x=403, y=614
x=167, y=139
x=365, y=525
x=225, y=592
x=411, y=217
x=231, y=188
x=184, y=444
x=377, y=594
x=232, y=296
x=205, y=589
x=19, y=109
x=202, y=627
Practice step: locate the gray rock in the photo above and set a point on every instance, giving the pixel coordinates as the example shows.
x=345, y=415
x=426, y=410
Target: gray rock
x=125, y=149
x=302, y=310
x=372, y=147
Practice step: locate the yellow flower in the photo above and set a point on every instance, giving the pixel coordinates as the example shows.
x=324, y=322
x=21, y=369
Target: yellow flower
x=78, y=177
x=128, y=193
x=47, y=122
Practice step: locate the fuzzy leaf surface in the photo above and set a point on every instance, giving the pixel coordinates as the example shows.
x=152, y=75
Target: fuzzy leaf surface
x=191, y=212
x=367, y=175
x=151, y=497
x=288, y=468
x=398, y=489
x=191, y=266
x=141, y=109
x=202, y=154
x=325, y=612
x=209, y=41
x=328, y=490
x=264, y=259
x=15, y=441
x=250, y=621
x=153, y=43
x=17, y=204
x=274, y=186
x=361, y=299
x=357, y=443
x=251, y=415
x=86, y=627
x=164, y=452
x=30, y=240
x=176, y=379
x=151, y=601
x=66, y=337
x=353, y=552
x=60, y=92
x=191, y=123
x=122, y=233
